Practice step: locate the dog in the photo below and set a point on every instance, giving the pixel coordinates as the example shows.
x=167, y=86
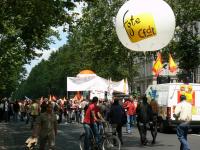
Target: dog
x=31, y=142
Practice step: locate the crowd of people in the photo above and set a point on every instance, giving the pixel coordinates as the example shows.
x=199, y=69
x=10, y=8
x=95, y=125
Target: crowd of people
x=73, y=110
x=129, y=112
x=45, y=114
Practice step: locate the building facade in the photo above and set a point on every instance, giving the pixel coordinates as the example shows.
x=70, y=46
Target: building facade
x=146, y=77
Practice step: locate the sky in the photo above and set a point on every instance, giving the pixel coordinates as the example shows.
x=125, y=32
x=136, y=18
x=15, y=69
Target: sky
x=53, y=47
x=57, y=43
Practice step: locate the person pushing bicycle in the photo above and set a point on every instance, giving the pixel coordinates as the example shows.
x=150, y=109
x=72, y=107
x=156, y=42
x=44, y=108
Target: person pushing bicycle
x=90, y=122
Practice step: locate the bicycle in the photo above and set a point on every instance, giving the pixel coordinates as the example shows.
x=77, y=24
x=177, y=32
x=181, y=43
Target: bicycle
x=108, y=141
x=92, y=141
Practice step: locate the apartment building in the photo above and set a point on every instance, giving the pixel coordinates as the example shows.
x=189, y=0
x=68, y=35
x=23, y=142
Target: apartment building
x=146, y=76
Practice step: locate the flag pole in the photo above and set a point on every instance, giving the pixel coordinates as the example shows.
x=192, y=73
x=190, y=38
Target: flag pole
x=66, y=88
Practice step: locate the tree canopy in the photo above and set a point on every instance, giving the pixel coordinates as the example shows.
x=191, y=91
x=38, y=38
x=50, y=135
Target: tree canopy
x=186, y=43
x=93, y=44
x=26, y=26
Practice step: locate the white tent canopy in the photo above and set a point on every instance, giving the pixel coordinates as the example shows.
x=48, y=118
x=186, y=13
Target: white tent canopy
x=95, y=83
x=86, y=83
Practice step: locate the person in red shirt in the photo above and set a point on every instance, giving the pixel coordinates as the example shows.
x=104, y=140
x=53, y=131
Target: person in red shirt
x=90, y=123
x=131, y=111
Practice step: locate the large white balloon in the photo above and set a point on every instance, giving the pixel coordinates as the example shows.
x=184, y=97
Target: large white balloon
x=145, y=25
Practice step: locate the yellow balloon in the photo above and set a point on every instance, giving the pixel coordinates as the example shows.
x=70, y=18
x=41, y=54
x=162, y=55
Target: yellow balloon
x=145, y=25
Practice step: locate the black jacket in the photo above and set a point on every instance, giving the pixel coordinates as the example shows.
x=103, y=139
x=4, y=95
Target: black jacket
x=116, y=114
x=144, y=113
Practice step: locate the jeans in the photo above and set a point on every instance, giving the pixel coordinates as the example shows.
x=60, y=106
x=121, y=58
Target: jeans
x=100, y=128
x=89, y=130
x=77, y=116
x=87, y=136
x=182, y=131
x=130, y=120
x=69, y=112
x=95, y=130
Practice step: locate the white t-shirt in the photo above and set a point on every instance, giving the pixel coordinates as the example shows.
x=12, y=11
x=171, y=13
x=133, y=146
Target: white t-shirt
x=184, y=111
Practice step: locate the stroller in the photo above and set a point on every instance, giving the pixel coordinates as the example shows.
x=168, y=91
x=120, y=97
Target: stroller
x=31, y=143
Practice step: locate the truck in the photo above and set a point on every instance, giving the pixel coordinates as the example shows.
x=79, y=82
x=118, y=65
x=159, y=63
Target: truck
x=168, y=96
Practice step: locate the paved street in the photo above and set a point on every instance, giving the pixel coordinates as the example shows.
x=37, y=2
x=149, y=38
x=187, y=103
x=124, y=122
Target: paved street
x=13, y=136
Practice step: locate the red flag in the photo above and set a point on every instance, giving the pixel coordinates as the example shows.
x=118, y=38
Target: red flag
x=41, y=100
x=54, y=98
x=64, y=99
x=172, y=64
x=157, y=67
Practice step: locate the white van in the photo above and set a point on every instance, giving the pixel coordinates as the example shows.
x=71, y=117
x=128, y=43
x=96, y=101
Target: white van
x=168, y=95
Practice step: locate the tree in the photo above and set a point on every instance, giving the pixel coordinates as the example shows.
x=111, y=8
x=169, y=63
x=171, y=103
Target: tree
x=26, y=26
x=186, y=45
x=92, y=44
x=98, y=43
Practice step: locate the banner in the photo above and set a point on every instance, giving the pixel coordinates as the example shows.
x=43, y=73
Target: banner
x=120, y=86
x=96, y=83
x=86, y=83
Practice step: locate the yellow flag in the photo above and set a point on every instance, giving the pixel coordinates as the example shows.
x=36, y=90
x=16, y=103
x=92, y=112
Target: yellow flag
x=157, y=67
x=172, y=64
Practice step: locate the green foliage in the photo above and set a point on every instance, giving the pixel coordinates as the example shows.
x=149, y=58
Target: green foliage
x=98, y=43
x=26, y=25
x=186, y=45
x=93, y=44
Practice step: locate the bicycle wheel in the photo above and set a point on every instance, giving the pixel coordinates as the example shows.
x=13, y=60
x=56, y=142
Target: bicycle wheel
x=81, y=141
x=111, y=143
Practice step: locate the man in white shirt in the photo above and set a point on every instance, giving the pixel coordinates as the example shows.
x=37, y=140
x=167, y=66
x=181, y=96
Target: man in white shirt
x=183, y=112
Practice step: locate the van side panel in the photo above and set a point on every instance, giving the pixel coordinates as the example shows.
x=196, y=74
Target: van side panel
x=162, y=94
x=168, y=96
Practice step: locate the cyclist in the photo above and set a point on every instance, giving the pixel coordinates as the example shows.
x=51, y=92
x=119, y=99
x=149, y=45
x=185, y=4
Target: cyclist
x=90, y=122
